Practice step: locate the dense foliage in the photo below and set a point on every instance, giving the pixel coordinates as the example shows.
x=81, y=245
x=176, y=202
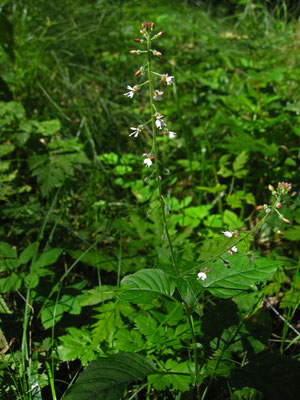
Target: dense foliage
x=87, y=282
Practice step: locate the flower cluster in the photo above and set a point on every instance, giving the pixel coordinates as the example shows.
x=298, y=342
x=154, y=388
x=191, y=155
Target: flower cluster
x=279, y=194
x=155, y=94
x=230, y=234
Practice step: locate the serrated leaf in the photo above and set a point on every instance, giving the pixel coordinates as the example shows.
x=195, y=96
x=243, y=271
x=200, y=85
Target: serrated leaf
x=48, y=128
x=187, y=294
x=173, y=381
x=240, y=277
x=106, y=378
x=95, y=259
x=47, y=258
x=77, y=344
x=240, y=161
x=232, y=220
x=98, y=295
x=28, y=253
x=145, y=285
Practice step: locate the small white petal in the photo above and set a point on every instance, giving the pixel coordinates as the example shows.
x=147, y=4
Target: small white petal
x=148, y=162
x=171, y=134
x=234, y=248
x=202, y=276
x=228, y=234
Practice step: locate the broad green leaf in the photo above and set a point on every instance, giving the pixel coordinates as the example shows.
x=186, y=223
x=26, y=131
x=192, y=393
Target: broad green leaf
x=145, y=285
x=94, y=259
x=97, y=295
x=8, y=257
x=47, y=258
x=107, y=378
x=198, y=212
x=240, y=276
x=6, y=148
x=53, y=311
x=232, y=220
x=48, y=128
x=11, y=283
x=28, y=253
x=187, y=294
x=240, y=161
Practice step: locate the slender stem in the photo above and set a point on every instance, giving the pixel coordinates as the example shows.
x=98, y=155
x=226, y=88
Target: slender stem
x=155, y=150
x=194, y=344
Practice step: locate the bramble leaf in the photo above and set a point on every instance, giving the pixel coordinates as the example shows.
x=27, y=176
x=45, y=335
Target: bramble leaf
x=106, y=378
x=145, y=285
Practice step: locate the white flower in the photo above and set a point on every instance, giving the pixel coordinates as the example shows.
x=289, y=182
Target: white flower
x=167, y=78
x=136, y=131
x=233, y=250
x=159, y=123
x=132, y=91
x=157, y=94
x=170, y=134
x=202, y=276
x=148, y=160
x=228, y=234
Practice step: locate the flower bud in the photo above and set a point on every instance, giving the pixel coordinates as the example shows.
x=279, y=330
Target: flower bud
x=137, y=40
x=133, y=52
x=160, y=33
x=157, y=53
x=138, y=72
x=278, y=231
x=279, y=205
x=148, y=25
x=271, y=188
x=260, y=207
x=286, y=221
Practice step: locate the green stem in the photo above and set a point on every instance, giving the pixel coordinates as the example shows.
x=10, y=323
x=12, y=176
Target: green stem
x=194, y=344
x=155, y=150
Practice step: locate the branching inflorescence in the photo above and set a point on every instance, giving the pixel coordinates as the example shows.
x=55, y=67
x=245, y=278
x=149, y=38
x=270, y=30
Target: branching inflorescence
x=157, y=120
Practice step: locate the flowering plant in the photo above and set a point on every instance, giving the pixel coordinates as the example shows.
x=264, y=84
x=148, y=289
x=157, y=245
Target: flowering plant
x=226, y=272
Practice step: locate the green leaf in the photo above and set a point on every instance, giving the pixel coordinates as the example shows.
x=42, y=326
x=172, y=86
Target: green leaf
x=173, y=381
x=238, y=164
x=187, y=294
x=28, y=253
x=107, y=378
x=6, y=149
x=145, y=285
x=48, y=128
x=198, y=212
x=232, y=220
x=109, y=158
x=47, y=258
x=77, y=344
x=11, y=283
x=240, y=277
x=94, y=259
x=97, y=295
